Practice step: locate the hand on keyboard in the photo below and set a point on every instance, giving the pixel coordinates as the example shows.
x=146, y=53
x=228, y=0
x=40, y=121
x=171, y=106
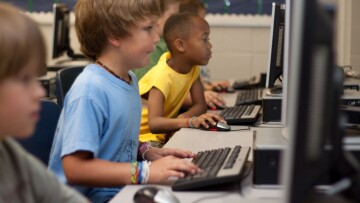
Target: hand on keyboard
x=214, y=100
x=223, y=165
x=164, y=168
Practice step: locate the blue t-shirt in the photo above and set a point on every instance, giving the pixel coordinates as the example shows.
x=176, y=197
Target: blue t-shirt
x=101, y=114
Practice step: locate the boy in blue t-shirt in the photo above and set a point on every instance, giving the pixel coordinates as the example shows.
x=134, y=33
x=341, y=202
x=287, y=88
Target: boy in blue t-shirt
x=96, y=144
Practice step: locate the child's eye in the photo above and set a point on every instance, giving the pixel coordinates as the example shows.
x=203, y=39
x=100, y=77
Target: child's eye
x=149, y=28
x=26, y=79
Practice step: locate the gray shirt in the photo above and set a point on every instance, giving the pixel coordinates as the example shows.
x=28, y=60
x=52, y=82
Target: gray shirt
x=23, y=178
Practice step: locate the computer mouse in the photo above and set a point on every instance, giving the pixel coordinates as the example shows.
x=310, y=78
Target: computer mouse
x=217, y=107
x=219, y=89
x=219, y=126
x=152, y=194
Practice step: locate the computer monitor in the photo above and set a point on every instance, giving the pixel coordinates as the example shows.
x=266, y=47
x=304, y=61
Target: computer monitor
x=61, y=32
x=276, y=48
x=313, y=111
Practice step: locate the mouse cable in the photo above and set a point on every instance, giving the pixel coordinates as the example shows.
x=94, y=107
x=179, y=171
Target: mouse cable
x=248, y=128
x=212, y=197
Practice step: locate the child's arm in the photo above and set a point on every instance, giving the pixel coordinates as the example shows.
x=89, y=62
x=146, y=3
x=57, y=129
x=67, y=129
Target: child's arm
x=81, y=168
x=198, y=106
x=157, y=122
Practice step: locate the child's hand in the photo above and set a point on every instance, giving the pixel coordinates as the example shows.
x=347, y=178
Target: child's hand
x=155, y=153
x=201, y=120
x=213, y=99
x=220, y=84
x=170, y=166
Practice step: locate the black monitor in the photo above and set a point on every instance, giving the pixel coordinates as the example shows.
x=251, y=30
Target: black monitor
x=314, y=122
x=276, y=48
x=61, y=32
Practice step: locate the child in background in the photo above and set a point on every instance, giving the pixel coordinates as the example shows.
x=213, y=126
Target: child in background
x=165, y=87
x=169, y=7
x=96, y=146
x=23, y=178
x=197, y=7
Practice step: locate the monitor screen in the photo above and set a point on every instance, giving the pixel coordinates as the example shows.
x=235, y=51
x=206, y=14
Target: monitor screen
x=61, y=32
x=276, y=48
x=313, y=100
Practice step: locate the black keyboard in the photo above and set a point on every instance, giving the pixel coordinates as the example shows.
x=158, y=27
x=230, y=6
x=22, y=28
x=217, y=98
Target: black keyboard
x=219, y=166
x=241, y=115
x=251, y=96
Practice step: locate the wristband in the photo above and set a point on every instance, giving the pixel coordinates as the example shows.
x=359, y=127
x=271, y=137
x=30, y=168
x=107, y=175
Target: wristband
x=190, y=122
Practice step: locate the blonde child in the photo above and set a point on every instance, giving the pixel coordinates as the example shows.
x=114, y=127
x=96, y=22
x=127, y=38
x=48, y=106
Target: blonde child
x=165, y=87
x=23, y=178
x=96, y=146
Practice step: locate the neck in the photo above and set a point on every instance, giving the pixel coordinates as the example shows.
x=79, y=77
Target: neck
x=179, y=65
x=126, y=78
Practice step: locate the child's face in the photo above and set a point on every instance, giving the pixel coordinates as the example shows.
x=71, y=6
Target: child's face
x=171, y=10
x=198, y=46
x=20, y=103
x=136, y=48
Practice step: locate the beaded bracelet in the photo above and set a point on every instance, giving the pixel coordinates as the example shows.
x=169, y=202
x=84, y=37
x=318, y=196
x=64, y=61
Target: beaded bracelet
x=134, y=176
x=190, y=122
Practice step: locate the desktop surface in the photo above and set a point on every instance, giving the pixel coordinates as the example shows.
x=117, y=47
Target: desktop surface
x=197, y=140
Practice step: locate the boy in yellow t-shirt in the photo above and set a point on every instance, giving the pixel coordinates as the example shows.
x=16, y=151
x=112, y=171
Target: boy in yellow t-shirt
x=164, y=88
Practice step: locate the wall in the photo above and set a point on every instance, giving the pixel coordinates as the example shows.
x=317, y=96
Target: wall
x=240, y=43
x=355, y=35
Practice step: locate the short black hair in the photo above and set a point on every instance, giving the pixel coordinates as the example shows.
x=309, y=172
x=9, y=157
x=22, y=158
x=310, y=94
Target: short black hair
x=177, y=26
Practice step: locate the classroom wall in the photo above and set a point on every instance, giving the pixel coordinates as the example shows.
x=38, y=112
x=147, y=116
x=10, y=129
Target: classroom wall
x=355, y=35
x=240, y=43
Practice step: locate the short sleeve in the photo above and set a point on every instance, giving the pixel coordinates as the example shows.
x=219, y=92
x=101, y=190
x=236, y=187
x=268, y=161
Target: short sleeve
x=82, y=124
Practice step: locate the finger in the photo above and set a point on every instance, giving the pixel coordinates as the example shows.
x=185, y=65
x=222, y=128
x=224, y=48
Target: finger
x=182, y=153
x=177, y=174
x=211, y=105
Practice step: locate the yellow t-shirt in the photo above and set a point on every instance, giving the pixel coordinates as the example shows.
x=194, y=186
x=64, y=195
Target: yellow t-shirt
x=173, y=85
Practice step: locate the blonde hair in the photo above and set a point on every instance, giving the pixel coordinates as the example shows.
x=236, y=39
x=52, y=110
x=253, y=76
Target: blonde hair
x=20, y=42
x=96, y=20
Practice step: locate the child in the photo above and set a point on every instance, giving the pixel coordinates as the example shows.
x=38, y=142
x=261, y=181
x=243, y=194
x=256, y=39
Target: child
x=96, y=145
x=23, y=178
x=197, y=7
x=169, y=8
x=165, y=87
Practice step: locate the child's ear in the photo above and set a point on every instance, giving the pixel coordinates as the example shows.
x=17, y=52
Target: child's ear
x=114, y=41
x=179, y=45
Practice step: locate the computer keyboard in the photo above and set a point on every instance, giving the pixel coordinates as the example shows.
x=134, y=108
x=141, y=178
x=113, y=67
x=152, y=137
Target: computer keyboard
x=223, y=165
x=241, y=115
x=251, y=96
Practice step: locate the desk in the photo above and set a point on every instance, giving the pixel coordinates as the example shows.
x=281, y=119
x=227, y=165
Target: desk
x=198, y=140
x=193, y=139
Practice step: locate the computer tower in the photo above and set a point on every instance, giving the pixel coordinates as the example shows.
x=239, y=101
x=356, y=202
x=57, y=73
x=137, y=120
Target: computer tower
x=269, y=145
x=271, y=107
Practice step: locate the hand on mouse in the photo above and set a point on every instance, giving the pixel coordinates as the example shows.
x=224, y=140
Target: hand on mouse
x=170, y=166
x=201, y=120
x=213, y=99
x=155, y=153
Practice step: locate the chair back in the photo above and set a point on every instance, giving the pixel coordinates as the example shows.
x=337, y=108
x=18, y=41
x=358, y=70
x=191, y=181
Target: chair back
x=39, y=144
x=64, y=79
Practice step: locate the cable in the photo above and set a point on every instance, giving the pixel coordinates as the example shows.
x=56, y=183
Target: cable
x=212, y=197
x=248, y=128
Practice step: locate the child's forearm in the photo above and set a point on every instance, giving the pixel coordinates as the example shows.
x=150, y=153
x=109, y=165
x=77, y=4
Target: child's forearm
x=195, y=110
x=166, y=125
x=96, y=172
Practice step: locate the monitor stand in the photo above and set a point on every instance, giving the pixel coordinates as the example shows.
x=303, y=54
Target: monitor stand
x=277, y=90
